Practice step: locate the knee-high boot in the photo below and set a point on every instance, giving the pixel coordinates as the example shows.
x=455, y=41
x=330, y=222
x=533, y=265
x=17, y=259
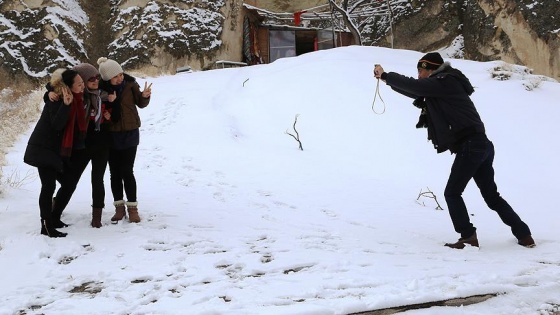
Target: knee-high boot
x=56, y=215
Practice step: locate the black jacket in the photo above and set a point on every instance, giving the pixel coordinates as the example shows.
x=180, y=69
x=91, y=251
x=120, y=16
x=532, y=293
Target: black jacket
x=94, y=138
x=451, y=114
x=43, y=147
x=101, y=137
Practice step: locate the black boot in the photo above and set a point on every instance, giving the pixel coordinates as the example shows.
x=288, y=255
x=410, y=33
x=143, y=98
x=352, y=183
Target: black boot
x=58, y=224
x=48, y=229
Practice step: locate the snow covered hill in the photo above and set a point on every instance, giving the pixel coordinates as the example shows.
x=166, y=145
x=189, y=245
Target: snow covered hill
x=238, y=220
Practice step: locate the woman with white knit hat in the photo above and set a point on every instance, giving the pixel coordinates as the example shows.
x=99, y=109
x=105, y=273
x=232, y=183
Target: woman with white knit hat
x=125, y=96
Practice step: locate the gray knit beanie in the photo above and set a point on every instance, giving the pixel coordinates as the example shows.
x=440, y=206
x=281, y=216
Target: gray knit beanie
x=86, y=71
x=108, y=68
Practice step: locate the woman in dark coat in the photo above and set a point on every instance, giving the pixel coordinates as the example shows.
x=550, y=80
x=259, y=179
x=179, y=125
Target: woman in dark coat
x=51, y=140
x=94, y=147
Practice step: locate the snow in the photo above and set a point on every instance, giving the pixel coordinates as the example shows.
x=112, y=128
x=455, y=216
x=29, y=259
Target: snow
x=238, y=220
x=455, y=49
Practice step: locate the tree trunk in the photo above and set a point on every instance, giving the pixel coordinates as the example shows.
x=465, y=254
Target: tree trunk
x=347, y=21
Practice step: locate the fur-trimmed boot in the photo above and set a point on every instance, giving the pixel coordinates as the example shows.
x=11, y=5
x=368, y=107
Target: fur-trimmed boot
x=48, y=229
x=132, y=207
x=96, y=217
x=120, y=212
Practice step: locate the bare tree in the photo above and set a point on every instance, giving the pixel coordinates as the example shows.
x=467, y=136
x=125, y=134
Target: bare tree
x=343, y=10
x=356, y=14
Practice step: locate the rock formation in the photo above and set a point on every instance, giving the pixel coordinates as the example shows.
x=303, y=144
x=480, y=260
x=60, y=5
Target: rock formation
x=158, y=36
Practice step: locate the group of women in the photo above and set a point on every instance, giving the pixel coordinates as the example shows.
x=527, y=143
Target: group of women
x=90, y=115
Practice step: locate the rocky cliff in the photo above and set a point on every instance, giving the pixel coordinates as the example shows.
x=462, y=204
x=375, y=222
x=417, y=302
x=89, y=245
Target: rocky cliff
x=155, y=36
x=158, y=36
x=522, y=32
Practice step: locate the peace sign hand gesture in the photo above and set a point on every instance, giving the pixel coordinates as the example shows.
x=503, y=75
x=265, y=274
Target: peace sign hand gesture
x=67, y=96
x=147, y=90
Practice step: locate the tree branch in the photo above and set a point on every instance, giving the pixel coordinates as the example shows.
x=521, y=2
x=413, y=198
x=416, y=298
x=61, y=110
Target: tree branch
x=429, y=194
x=296, y=136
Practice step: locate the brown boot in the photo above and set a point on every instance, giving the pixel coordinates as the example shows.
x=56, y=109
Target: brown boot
x=133, y=216
x=96, y=217
x=527, y=241
x=460, y=244
x=119, y=211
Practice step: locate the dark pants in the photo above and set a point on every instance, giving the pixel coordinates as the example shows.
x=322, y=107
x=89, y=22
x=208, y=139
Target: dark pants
x=121, y=166
x=48, y=178
x=73, y=171
x=474, y=160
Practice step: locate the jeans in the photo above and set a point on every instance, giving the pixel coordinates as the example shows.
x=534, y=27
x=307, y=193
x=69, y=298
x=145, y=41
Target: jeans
x=121, y=166
x=474, y=160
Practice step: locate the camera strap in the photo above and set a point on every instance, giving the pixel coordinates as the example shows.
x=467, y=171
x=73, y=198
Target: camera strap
x=375, y=97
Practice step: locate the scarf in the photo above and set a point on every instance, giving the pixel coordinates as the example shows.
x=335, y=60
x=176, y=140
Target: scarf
x=98, y=109
x=94, y=108
x=77, y=117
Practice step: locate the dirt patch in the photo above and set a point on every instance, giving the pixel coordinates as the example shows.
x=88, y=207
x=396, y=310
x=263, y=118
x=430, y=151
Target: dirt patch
x=88, y=288
x=469, y=300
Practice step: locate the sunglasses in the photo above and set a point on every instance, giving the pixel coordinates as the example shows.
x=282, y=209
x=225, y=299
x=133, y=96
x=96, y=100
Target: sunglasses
x=95, y=78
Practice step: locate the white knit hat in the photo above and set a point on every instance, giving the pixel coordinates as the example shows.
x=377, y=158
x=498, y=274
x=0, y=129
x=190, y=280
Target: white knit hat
x=108, y=68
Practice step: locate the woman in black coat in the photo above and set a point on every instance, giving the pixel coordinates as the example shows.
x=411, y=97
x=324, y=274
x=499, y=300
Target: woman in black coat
x=94, y=148
x=51, y=141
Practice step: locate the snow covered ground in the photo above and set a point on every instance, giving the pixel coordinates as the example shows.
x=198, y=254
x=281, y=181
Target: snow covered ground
x=238, y=220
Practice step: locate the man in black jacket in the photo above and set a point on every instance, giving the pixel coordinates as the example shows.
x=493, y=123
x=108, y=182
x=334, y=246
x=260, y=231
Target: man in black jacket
x=454, y=124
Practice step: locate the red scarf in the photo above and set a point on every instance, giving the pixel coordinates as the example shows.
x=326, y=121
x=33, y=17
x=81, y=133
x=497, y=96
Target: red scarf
x=77, y=117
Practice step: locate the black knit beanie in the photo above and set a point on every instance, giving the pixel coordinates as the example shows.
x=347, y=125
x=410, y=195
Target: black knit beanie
x=430, y=61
